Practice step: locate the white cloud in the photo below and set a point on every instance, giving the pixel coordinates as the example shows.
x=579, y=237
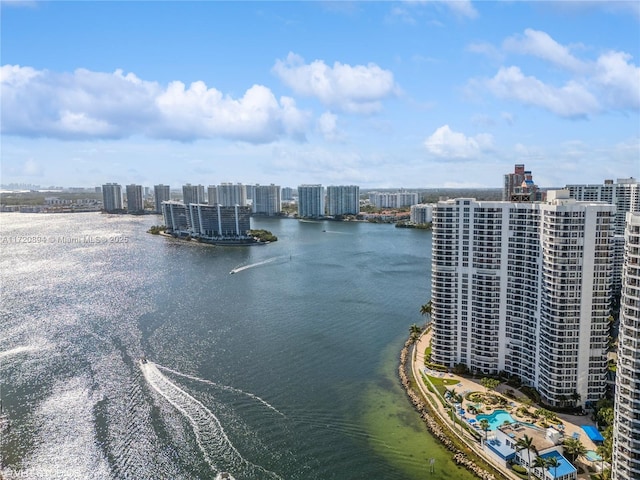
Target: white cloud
x=355, y=89
x=328, y=127
x=445, y=143
x=570, y=100
x=610, y=82
x=619, y=80
x=463, y=8
x=541, y=45
x=87, y=104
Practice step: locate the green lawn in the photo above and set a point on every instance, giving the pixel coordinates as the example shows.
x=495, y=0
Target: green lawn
x=442, y=384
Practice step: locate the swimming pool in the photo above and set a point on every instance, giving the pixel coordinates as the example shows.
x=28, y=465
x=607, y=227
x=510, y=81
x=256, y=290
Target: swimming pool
x=593, y=456
x=496, y=419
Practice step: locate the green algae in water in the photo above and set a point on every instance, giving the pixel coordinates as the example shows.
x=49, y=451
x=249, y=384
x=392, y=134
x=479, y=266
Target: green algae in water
x=396, y=431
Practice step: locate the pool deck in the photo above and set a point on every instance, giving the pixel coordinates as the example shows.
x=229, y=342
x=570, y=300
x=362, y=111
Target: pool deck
x=572, y=423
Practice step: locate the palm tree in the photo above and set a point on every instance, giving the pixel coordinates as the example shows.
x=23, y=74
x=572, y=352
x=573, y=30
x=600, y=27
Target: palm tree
x=540, y=462
x=575, y=448
x=415, y=332
x=484, y=425
x=426, y=310
x=553, y=462
x=526, y=442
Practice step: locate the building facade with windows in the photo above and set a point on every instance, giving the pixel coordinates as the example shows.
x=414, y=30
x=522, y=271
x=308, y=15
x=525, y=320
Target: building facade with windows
x=310, y=201
x=267, y=200
x=626, y=423
x=525, y=288
x=175, y=217
x=161, y=193
x=135, y=199
x=343, y=200
x=112, y=197
x=231, y=194
x=193, y=194
x=218, y=221
x=421, y=213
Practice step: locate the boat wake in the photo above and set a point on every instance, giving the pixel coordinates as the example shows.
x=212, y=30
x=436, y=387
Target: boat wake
x=253, y=265
x=218, y=451
x=17, y=350
x=222, y=387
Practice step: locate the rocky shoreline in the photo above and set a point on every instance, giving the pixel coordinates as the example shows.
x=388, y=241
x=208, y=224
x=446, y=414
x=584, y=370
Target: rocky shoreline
x=459, y=457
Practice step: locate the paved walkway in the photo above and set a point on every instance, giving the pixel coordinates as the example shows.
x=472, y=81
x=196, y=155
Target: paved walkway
x=572, y=423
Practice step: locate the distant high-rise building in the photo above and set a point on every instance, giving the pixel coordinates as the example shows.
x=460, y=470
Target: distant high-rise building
x=162, y=193
x=520, y=187
x=624, y=194
x=310, y=201
x=230, y=194
x=212, y=194
x=287, y=194
x=525, y=288
x=193, y=194
x=393, y=200
x=251, y=192
x=112, y=197
x=267, y=200
x=343, y=200
x=135, y=199
x=626, y=423
x=421, y=213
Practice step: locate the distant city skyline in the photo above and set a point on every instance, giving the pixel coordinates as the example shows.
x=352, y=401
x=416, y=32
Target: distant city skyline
x=376, y=94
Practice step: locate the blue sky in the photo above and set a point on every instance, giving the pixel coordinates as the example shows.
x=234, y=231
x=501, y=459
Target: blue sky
x=378, y=94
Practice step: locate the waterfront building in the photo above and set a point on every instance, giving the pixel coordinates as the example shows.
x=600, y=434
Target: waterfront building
x=421, y=213
x=626, y=424
x=310, y=201
x=192, y=194
x=135, y=199
x=343, y=200
x=251, y=192
x=175, y=217
x=161, y=193
x=112, y=197
x=267, y=200
x=393, y=200
x=230, y=194
x=525, y=288
x=218, y=222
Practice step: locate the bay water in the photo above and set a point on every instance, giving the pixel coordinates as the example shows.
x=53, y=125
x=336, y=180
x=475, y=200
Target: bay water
x=126, y=355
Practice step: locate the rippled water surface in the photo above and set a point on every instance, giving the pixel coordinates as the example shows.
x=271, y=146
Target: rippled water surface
x=283, y=370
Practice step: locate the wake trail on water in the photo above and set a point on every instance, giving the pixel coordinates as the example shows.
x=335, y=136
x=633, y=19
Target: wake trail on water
x=222, y=387
x=17, y=350
x=253, y=265
x=209, y=433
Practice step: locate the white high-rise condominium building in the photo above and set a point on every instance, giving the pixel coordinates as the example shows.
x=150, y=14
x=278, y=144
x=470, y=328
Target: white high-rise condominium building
x=162, y=193
x=525, y=288
x=310, y=201
x=343, y=200
x=230, y=194
x=626, y=424
x=421, y=213
x=112, y=197
x=625, y=195
x=212, y=194
x=267, y=200
x=192, y=194
x=135, y=199
x=393, y=200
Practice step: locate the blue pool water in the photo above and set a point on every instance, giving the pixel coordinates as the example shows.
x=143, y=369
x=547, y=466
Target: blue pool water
x=496, y=419
x=593, y=456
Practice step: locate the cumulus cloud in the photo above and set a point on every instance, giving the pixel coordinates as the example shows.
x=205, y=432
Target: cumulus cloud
x=570, y=100
x=354, y=89
x=592, y=86
x=328, y=127
x=445, y=143
x=87, y=104
x=540, y=44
